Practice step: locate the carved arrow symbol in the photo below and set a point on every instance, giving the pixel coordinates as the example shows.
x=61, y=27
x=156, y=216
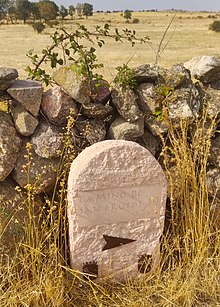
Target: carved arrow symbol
x=112, y=242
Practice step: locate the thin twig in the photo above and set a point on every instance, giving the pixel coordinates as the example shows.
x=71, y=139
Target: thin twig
x=162, y=39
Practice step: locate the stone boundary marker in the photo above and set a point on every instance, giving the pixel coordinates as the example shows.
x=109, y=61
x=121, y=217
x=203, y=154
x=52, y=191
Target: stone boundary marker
x=116, y=210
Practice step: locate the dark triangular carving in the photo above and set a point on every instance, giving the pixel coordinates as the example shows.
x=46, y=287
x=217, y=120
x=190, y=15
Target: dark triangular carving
x=112, y=242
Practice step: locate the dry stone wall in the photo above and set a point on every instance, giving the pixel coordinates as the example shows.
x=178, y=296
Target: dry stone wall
x=29, y=115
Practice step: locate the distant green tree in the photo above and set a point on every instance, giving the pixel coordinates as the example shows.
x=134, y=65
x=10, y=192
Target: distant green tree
x=63, y=12
x=23, y=9
x=48, y=10
x=35, y=12
x=71, y=10
x=127, y=15
x=3, y=9
x=87, y=9
x=79, y=9
x=7, y=9
x=12, y=12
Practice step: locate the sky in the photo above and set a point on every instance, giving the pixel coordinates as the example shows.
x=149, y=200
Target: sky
x=191, y=5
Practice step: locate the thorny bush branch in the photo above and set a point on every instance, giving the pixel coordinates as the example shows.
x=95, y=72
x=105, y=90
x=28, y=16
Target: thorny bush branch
x=73, y=51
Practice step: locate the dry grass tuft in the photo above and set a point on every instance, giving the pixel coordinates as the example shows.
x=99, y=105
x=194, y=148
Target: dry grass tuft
x=189, y=270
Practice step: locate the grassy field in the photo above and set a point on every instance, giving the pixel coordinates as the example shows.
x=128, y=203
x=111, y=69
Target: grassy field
x=188, y=36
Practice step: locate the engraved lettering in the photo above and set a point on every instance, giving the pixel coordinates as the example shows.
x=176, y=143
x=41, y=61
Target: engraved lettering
x=115, y=205
x=100, y=197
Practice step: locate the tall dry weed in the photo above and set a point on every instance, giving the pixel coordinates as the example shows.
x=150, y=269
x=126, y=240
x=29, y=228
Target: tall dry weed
x=189, y=270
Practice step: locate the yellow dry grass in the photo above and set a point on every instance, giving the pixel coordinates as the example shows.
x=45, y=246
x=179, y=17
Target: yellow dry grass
x=189, y=33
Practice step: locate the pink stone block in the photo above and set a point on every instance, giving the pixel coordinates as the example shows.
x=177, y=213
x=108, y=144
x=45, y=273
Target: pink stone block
x=116, y=211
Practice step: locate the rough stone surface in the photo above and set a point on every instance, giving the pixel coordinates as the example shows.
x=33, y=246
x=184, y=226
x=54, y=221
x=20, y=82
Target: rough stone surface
x=204, y=68
x=47, y=140
x=100, y=91
x=120, y=129
x=149, y=101
x=115, y=189
x=96, y=110
x=156, y=127
x=178, y=76
x=215, y=152
x=41, y=174
x=7, y=77
x=181, y=104
x=125, y=101
x=212, y=102
x=9, y=145
x=92, y=130
x=28, y=93
x=150, y=142
x=25, y=123
x=149, y=73
x=73, y=84
x=56, y=105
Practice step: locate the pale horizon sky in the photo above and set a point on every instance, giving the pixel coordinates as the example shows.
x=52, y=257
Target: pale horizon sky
x=190, y=5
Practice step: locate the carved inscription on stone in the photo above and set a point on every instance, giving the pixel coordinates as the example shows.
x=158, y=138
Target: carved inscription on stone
x=116, y=205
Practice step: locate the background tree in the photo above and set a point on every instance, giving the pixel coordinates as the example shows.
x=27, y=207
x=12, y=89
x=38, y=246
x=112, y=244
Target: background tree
x=87, y=9
x=48, y=10
x=7, y=8
x=23, y=9
x=35, y=12
x=79, y=9
x=63, y=12
x=71, y=10
x=127, y=15
x=12, y=12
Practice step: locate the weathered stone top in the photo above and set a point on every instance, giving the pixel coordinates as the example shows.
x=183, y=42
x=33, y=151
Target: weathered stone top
x=124, y=165
x=7, y=77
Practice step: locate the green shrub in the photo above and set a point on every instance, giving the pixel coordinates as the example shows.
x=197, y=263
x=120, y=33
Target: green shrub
x=215, y=26
x=38, y=27
x=135, y=20
x=125, y=77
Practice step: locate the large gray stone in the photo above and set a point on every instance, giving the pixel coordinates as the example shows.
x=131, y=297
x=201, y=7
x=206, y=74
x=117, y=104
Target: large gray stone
x=9, y=145
x=47, y=140
x=157, y=127
x=148, y=73
x=7, y=77
x=178, y=76
x=116, y=211
x=28, y=93
x=56, y=105
x=74, y=84
x=204, y=68
x=149, y=101
x=100, y=91
x=125, y=101
x=212, y=102
x=31, y=169
x=91, y=130
x=25, y=123
x=120, y=129
x=150, y=142
x=182, y=105
x=96, y=110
